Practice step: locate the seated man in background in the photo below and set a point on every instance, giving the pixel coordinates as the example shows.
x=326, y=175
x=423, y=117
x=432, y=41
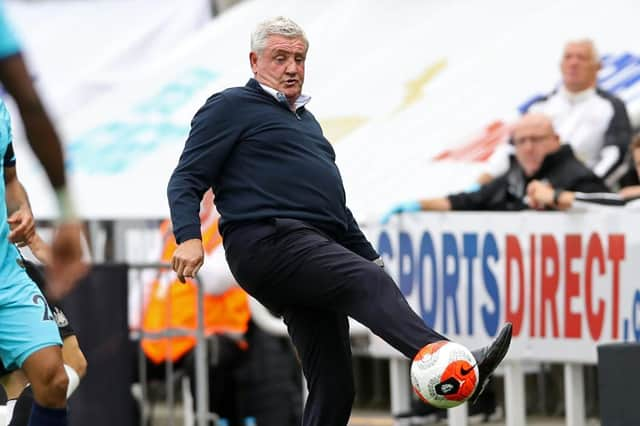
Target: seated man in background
x=543, y=195
x=539, y=155
x=593, y=121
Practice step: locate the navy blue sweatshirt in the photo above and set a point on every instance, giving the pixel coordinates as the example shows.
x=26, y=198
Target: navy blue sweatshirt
x=262, y=161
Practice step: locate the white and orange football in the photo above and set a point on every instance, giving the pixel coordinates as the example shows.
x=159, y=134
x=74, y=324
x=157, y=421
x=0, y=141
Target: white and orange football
x=444, y=374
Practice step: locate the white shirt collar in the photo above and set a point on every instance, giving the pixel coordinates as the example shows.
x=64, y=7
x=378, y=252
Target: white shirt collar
x=575, y=97
x=280, y=97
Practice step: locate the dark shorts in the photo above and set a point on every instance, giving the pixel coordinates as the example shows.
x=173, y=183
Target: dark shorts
x=64, y=327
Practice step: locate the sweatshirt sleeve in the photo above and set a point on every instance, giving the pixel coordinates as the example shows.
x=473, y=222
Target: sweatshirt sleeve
x=589, y=182
x=355, y=240
x=485, y=198
x=600, y=198
x=210, y=141
x=616, y=140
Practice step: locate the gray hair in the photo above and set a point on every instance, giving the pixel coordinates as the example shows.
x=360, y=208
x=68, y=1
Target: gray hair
x=595, y=56
x=279, y=25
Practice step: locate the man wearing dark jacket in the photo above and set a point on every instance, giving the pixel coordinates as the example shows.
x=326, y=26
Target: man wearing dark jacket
x=539, y=156
x=593, y=121
x=290, y=240
x=542, y=194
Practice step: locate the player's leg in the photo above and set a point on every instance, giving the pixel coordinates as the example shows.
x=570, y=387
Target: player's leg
x=22, y=408
x=74, y=360
x=4, y=400
x=21, y=402
x=3, y=396
x=321, y=338
x=45, y=371
x=75, y=366
x=13, y=384
x=32, y=342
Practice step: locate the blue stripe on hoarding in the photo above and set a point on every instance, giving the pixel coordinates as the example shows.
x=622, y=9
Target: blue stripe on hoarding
x=490, y=316
x=450, y=281
x=470, y=252
x=114, y=146
x=427, y=249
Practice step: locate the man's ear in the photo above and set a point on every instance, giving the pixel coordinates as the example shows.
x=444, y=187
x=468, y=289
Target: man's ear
x=253, y=61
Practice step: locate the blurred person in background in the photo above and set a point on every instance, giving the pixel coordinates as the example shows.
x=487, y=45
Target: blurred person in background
x=29, y=339
x=539, y=155
x=15, y=383
x=290, y=240
x=62, y=271
x=251, y=373
x=544, y=195
x=593, y=121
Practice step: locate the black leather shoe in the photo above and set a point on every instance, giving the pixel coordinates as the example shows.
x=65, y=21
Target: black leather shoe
x=489, y=357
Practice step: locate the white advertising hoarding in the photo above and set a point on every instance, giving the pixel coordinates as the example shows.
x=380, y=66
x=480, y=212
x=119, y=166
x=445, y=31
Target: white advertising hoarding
x=568, y=282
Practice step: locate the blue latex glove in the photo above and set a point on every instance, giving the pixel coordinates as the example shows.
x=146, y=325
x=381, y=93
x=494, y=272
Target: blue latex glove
x=473, y=187
x=405, y=207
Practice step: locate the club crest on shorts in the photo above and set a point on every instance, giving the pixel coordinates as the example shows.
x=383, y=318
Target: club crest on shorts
x=60, y=317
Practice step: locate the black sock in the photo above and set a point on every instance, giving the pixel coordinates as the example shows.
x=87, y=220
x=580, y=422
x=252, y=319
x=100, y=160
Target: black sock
x=3, y=396
x=44, y=416
x=22, y=410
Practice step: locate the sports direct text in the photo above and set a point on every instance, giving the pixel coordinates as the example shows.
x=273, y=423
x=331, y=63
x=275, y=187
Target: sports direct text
x=567, y=282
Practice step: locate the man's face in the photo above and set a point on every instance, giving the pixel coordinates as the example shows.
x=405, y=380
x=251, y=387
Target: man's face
x=281, y=65
x=579, y=66
x=533, y=140
x=636, y=160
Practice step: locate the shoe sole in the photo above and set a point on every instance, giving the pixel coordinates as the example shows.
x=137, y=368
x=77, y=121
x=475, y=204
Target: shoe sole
x=497, y=352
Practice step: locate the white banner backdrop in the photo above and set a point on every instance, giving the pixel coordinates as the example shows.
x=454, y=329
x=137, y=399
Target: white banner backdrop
x=394, y=85
x=568, y=282
x=79, y=51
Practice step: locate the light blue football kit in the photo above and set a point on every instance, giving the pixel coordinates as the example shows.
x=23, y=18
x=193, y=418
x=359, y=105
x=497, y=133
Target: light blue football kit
x=26, y=323
x=9, y=44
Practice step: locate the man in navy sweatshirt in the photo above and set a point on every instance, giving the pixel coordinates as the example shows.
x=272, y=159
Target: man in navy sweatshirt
x=290, y=240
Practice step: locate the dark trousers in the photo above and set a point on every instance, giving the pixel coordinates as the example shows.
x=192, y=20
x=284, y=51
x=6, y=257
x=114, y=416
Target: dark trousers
x=315, y=283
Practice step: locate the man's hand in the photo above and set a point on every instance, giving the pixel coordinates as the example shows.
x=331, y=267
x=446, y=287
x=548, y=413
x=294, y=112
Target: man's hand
x=630, y=192
x=187, y=259
x=540, y=194
x=22, y=226
x=66, y=267
x=41, y=250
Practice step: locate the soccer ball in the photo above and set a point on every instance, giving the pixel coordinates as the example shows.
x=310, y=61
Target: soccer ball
x=444, y=374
